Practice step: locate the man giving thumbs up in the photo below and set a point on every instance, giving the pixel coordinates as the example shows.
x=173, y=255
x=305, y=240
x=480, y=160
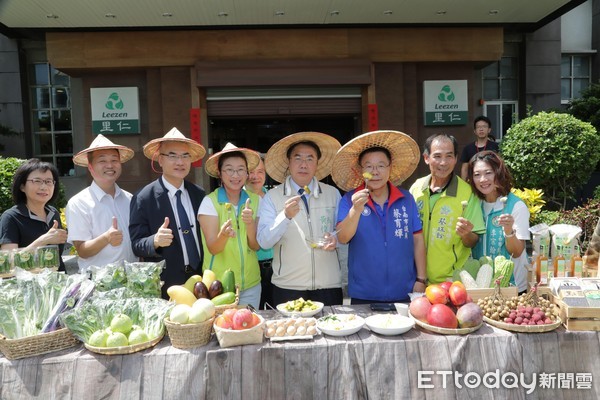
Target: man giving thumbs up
x=97, y=215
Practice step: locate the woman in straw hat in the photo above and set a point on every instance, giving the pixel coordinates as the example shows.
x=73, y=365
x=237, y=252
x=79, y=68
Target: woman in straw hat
x=32, y=222
x=98, y=216
x=227, y=219
x=297, y=218
x=506, y=216
x=379, y=220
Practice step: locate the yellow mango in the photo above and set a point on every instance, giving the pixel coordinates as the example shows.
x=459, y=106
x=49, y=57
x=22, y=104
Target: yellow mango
x=208, y=277
x=180, y=295
x=189, y=284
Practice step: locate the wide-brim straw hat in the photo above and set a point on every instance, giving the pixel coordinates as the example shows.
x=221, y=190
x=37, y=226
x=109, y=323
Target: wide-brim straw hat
x=212, y=164
x=152, y=148
x=102, y=143
x=405, y=153
x=277, y=163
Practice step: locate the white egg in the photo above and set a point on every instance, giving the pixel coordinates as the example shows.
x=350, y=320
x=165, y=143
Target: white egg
x=301, y=331
x=311, y=330
x=280, y=331
x=270, y=332
x=291, y=330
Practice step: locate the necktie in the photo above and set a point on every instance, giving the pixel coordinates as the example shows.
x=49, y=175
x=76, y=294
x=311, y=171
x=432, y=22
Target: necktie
x=301, y=193
x=188, y=235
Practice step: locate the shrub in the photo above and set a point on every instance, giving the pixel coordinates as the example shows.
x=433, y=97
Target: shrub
x=533, y=199
x=556, y=153
x=8, y=166
x=587, y=107
x=597, y=193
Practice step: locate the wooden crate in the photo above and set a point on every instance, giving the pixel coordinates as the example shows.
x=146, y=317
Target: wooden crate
x=477, y=294
x=574, y=318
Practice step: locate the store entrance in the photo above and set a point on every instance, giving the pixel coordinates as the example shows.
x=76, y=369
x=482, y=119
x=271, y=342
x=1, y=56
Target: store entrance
x=261, y=132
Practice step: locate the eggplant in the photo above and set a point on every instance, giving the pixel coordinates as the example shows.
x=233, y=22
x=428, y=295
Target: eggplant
x=201, y=291
x=215, y=289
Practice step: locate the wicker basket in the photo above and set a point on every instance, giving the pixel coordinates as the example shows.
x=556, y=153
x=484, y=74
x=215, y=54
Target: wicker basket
x=36, y=345
x=187, y=336
x=125, y=349
x=229, y=337
x=220, y=309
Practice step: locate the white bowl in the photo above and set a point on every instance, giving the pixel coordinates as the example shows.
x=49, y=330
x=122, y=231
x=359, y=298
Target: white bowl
x=389, y=324
x=340, y=324
x=401, y=309
x=310, y=313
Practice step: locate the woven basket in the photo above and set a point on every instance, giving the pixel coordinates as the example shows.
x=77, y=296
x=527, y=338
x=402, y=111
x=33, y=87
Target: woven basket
x=36, y=345
x=220, y=309
x=125, y=349
x=187, y=336
x=229, y=337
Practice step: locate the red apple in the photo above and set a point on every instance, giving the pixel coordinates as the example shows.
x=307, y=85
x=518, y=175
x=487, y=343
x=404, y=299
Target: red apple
x=242, y=319
x=442, y=316
x=436, y=294
x=458, y=293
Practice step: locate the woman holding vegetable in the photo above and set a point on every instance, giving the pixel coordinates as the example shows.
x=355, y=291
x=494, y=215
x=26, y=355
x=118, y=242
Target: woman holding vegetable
x=386, y=254
x=227, y=220
x=506, y=216
x=32, y=222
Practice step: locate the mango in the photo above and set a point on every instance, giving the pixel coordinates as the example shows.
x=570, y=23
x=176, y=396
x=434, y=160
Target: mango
x=181, y=295
x=208, y=277
x=189, y=284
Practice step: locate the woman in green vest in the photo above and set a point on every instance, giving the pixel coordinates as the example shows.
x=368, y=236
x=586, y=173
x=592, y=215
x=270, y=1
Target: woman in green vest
x=506, y=216
x=227, y=218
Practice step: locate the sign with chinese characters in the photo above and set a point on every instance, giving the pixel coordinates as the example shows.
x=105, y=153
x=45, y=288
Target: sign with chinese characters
x=115, y=110
x=445, y=102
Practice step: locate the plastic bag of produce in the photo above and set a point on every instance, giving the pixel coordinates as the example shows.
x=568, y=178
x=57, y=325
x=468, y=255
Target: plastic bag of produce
x=110, y=276
x=564, y=239
x=541, y=239
x=143, y=278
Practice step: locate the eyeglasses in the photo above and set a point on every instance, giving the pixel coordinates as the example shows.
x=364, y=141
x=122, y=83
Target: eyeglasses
x=232, y=172
x=40, y=182
x=482, y=126
x=379, y=167
x=307, y=160
x=174, y=157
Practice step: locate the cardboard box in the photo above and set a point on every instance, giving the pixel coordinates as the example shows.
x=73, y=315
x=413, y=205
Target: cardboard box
x=477, y=294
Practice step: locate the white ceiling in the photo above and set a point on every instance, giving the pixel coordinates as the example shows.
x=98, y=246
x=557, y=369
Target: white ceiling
x=111, y=14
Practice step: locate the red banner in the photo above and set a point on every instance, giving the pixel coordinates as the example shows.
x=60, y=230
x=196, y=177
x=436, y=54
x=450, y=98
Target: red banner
x=373, y=117
x=195, y=130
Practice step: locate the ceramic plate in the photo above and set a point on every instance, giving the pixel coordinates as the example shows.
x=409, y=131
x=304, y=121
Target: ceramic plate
x=389, y=324
x=340, y=324
x=309, y=313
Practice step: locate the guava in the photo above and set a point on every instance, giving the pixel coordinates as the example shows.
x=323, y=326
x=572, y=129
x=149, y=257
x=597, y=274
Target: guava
x=121, y=323
x=138, y=336
x=116, y=339
x=98, y=338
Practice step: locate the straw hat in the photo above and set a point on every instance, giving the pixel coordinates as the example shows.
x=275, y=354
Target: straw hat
x=102, y=143
x=212, y=164
x=151, y=149
x=403, y=149
x=277, y=163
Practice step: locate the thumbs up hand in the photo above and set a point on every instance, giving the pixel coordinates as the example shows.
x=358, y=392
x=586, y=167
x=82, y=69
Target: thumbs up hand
x=113, y=235
x=247, y=213
x=55, y=235
x=164, y=235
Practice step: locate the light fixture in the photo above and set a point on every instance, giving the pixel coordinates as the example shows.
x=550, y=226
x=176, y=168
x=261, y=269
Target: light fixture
x=493, y=12
x=109, y=15
x=334, y=12
x=51, y=16
x=279, y=13
x=388, y=12
x=222, y=14
x=441, y=12
x=167, y=15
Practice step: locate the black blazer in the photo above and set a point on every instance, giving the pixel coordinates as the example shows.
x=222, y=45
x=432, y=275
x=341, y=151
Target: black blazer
x=148, y=209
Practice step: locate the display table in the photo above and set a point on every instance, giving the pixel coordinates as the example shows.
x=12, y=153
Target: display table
x=360, y=366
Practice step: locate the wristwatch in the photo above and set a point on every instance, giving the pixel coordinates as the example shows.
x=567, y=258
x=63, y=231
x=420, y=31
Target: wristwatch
x=421, y=280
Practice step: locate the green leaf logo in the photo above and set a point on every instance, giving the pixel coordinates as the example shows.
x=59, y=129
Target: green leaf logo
x=446, y=94
x=114, y=102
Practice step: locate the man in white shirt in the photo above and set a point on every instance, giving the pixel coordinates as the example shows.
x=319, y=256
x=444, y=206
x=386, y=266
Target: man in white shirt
x=98, y=216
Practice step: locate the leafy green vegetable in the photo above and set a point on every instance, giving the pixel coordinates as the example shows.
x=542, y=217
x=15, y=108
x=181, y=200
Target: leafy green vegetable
x=148, y=313
x=109, y=277
x=143, y=278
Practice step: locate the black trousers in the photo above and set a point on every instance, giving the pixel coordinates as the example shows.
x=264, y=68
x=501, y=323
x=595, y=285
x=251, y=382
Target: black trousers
x=266, y=272
x=329, y=297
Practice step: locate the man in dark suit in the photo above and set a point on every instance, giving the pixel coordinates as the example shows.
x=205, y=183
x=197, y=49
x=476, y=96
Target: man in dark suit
x=162, y=221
